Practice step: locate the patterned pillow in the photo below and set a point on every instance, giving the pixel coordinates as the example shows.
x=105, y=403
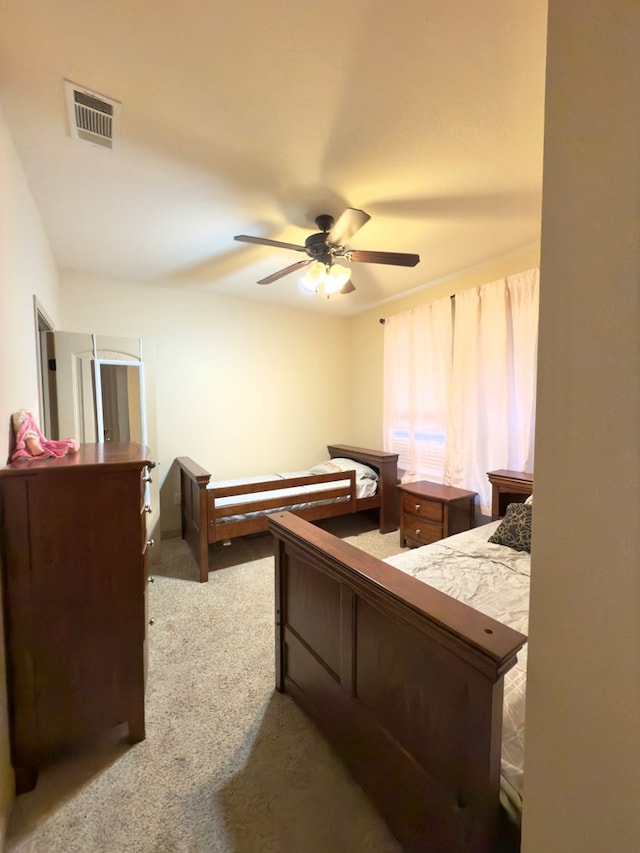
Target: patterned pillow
x=514, y=530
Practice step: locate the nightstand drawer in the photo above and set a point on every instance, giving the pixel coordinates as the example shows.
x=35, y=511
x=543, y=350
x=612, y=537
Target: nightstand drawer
x=422, y=508
x=420, y=532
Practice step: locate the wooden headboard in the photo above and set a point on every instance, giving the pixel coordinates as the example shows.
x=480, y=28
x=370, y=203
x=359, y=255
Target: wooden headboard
x=386, y=464
x=508, y=487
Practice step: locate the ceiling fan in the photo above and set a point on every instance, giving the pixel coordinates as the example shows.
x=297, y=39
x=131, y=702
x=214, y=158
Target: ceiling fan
x=328, y=245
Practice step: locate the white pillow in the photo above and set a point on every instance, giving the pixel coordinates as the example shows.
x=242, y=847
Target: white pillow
x=325, y=468
x=338, y=464
x=529, y=500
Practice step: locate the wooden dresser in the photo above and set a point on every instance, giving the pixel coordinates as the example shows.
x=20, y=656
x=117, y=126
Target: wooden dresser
x=431, y=511
x=74, y=553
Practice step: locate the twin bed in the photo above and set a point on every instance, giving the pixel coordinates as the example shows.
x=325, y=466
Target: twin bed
x=406, y=666
x=353, y=479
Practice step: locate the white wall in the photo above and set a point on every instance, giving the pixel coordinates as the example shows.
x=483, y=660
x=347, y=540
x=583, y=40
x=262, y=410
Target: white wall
x=582, y=776
x=26, y=269
x=240, y=387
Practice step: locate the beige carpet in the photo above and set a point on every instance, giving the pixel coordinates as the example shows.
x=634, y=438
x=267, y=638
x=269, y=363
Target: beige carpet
x=228, y=764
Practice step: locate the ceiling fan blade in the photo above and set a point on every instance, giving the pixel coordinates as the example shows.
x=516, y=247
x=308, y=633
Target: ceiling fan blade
x=349, y=221
x=399, y=259
x=281, y=273
x=348, y=288
x=264, y=241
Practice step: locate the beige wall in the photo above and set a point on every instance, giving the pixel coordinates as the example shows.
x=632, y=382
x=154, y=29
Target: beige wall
x=26, y=269
x=366, y=337
x=240, y=387
x=582, y=776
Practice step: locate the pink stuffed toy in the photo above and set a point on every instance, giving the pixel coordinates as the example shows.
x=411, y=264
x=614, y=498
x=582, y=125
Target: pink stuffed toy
x=31, y=443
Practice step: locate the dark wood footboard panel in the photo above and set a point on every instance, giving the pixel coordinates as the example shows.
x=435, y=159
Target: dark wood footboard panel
x=405, y=682
x=193, y=511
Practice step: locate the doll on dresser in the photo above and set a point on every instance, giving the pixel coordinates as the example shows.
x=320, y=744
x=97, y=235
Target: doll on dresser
x=30, y=443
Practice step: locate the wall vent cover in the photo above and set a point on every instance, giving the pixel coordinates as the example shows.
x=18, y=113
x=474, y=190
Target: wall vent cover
x=92, y=117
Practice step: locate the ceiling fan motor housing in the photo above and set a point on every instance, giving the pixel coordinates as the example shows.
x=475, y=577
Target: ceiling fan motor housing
x=324, y=222
x=316, y=247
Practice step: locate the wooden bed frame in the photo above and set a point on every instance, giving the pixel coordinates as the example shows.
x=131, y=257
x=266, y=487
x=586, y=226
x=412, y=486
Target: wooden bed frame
x=405, y=682
x=202, y=521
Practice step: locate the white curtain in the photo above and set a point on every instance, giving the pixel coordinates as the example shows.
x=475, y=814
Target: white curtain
x=417, y=369
x=493, y=377
x=460, y=385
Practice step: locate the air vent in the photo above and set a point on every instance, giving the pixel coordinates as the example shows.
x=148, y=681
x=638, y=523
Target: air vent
x=92, y=117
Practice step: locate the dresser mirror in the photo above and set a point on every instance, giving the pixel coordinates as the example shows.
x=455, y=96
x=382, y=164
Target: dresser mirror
x=93, y=387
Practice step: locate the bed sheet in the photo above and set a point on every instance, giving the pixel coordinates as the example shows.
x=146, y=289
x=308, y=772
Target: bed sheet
x=493, y=579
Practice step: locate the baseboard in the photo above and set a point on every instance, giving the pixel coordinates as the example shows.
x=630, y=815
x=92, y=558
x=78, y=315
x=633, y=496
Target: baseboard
x=171, y=533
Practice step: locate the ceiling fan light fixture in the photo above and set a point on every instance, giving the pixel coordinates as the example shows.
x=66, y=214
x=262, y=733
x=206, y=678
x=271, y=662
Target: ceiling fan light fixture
x=336, y=277
x=313, y=276
x=325, y=278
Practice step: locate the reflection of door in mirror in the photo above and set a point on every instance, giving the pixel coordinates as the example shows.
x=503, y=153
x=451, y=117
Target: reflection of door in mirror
x=121, y=413
x=95, y=387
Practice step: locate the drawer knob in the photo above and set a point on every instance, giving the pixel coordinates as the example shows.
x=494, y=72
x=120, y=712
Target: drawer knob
x=417, y=507
x=151, y=579
x=150, y=543
x=147, y=508
x=150, y=621
x=418, y=531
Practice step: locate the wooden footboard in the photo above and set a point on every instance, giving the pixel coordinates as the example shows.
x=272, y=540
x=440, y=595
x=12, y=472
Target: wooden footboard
x=193, y=511
x=405, y=682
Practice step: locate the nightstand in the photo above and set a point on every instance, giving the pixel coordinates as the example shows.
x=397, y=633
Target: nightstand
x=431, y=511
x=508, y=487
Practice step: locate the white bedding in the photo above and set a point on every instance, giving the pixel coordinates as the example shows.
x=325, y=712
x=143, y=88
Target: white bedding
x=292, y=496
x=493, y=579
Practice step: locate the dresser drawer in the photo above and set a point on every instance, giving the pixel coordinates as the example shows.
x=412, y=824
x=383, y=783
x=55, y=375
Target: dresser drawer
x=422, y=508
x=145, y=506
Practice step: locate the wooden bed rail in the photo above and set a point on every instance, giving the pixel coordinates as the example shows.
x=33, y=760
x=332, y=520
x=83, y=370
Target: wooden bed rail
x=404, y=681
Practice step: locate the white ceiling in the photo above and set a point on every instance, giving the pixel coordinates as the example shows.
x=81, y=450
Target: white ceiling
x=254, y=117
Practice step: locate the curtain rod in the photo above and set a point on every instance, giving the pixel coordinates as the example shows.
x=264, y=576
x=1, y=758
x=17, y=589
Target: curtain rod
x=383, y=320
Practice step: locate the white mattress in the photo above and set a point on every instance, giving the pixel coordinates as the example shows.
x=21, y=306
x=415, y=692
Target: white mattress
x=292, y=496
x=493, y=579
